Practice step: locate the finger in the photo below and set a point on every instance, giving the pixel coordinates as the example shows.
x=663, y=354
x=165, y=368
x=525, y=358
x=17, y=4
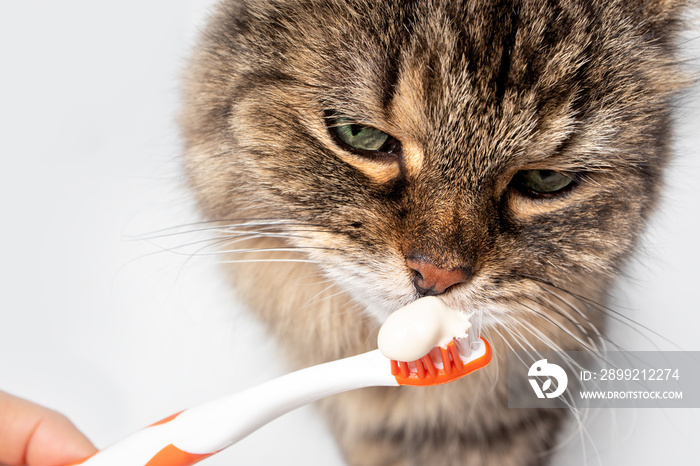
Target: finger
x=37, y=436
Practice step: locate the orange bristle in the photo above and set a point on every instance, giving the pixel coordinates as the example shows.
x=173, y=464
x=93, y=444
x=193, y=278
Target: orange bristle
x=395, y=368
x=405, y=371
x=426, y=370
x=446, y=360
x=456, y=359
x=420, y=369
x=428, y=363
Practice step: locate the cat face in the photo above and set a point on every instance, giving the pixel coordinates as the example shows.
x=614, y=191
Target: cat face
x=503, y=155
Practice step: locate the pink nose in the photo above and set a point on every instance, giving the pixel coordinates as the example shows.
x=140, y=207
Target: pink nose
x=431, y=280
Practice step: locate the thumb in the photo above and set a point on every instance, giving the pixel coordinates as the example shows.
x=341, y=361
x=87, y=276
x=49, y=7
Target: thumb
x=36, y=436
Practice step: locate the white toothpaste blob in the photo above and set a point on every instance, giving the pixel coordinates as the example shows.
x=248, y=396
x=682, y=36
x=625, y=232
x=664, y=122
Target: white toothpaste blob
x=411, y=332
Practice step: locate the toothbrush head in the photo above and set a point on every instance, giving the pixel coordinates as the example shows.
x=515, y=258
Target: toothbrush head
x=430, y=343
x=443, y=364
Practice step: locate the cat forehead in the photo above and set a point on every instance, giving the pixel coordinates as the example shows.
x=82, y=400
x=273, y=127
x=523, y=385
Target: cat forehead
x=523, y=74
x=490, y=79
x=471, y=79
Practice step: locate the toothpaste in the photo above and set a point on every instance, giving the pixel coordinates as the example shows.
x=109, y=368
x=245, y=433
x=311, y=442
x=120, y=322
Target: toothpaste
x=410, y=332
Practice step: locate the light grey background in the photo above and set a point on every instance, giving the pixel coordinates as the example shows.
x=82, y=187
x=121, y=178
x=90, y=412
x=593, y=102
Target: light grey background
x=118, y=328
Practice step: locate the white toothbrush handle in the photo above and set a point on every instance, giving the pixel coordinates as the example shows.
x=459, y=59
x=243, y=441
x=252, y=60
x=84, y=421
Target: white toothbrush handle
x=204, y=430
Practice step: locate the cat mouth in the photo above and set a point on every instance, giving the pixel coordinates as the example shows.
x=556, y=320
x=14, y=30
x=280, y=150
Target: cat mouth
x=483, y=315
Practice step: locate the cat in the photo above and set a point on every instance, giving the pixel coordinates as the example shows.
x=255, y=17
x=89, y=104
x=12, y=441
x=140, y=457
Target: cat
x=503, y=156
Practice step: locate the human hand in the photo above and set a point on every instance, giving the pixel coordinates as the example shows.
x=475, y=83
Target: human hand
x=36, y=436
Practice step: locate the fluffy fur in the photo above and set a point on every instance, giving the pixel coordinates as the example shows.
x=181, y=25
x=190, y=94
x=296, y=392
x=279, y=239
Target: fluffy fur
x=317, y=237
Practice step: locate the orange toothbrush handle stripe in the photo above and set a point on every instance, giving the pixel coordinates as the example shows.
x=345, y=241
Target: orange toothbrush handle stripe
x=167, y=419
x=173, y=456
x=83, y=460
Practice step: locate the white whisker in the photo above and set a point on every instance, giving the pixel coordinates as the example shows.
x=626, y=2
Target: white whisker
x=247, y=261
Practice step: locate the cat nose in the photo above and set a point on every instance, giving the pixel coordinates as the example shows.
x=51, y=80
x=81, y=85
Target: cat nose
x=432, y=280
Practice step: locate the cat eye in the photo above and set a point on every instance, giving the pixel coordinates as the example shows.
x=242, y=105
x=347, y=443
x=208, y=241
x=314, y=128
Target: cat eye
x=542, y=183
x=362, y=139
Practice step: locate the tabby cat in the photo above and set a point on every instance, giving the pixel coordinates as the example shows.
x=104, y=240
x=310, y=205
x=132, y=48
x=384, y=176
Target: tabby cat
x=503, y=155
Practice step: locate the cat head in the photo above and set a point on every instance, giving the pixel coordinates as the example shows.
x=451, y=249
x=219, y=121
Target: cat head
x=499, y=154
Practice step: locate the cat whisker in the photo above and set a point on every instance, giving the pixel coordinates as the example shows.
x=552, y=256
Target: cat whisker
x=230, y=239
x=597, y=353
x=608, y=311
x=570, y=363
x=251, y=261
x=561, y=327
x=213, y=242
x=562, y=312
x=290, y=317
x=288, y=249
x=589, y=323
x=238, y=225
x=305, y=278
x=537, y=333
x=495, y=367
x=214, y=225
x=523, y=341
x=593, y=348
x=579, y=416
x=603, y=340
x=315, y=298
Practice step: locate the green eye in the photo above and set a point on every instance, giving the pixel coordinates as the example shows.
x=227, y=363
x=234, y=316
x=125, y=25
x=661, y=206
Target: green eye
x=541, y=182
x=361, y=137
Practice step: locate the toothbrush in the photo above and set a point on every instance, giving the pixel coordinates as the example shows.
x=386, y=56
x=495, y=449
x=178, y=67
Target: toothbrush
x=191, y=435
